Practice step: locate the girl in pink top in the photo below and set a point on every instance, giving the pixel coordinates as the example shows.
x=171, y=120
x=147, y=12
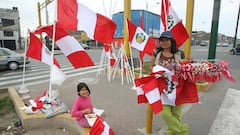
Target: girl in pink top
x=82, y=105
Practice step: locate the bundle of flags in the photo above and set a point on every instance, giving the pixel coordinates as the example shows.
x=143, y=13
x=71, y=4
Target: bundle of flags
x=161, y=87
x=100, y=127
x=173, y=88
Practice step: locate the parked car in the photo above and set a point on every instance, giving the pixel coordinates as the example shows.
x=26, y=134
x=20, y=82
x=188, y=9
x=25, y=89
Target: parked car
x=10, y=59
x=204, y=43
x=235, y=50
x=225, y=45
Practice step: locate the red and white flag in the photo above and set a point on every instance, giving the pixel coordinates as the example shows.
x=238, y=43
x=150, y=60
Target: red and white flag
x=69, y=46
x=153, y=96
x=171, y=22
x=100, y=127
x=110, y=55
x=75, y=16
x=176, y=92
x=139, y=39
x=38, y=51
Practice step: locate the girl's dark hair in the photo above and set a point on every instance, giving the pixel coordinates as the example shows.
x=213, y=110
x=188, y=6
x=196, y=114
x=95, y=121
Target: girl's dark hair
x=174, y=48
x=82, y=85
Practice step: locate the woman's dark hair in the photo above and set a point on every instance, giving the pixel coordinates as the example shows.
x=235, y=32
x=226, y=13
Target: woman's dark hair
x=174, y=48
x=82, y=85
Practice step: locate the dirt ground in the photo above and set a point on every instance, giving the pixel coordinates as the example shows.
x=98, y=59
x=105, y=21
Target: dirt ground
x=11, y=125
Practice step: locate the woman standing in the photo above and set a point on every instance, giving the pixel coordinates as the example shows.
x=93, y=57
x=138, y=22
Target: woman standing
x=167, y=55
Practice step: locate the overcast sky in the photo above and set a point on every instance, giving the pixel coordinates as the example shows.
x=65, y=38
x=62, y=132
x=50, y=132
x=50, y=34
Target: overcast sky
x=202, y=17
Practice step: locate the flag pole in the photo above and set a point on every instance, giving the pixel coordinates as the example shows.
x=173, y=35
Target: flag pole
x=23, y=89
x=52, y=53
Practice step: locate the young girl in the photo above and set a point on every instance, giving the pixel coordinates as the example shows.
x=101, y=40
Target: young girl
x=82, y=105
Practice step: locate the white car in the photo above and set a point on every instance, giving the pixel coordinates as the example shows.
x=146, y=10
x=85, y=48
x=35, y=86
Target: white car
x=10, y=59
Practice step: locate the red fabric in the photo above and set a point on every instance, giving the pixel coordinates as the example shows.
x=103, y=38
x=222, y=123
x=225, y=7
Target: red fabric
x=150, y=87
x=78, y=57
x=67, y=14
x=179, y=32
x=35, y=50
x=69, y=18
x=149, y=46
x=110, y=55
x=186, y=92
x=104, y=30
x=226, y=72
x=100, y=127
x=164, y=13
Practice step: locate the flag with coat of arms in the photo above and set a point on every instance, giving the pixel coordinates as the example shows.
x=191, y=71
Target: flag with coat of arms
x=139, y=39
x=171, y=21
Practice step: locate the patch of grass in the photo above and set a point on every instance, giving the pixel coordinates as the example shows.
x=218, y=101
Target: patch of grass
x=6, y=104
x=146, y=68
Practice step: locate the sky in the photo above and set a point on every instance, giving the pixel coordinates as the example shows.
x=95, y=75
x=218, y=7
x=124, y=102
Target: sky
x=202, y=16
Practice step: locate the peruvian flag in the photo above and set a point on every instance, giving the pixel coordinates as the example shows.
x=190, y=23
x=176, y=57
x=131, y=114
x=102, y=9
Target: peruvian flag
x=139, y=39
x=38, y=51
x=109, y=53
x=69, y=46
x=153, y=96
x=100, y=127
x=75, y=16
x=171, y=22
x=176, y=92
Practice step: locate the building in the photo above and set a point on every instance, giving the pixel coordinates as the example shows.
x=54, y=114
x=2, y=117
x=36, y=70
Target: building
x=150, y=20
x=10, y=32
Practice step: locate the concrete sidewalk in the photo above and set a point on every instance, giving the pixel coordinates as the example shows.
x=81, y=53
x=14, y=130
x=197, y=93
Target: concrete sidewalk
x=227, y=121
x=125, y=116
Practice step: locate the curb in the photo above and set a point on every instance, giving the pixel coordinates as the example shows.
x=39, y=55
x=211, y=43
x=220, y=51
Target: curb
x=203, y=86
x=34, y=121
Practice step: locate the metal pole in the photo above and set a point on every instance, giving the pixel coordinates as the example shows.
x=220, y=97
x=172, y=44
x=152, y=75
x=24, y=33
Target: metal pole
x=235, y=37
x=127, y=14
x=214, y=30
x=149, y=119
x=39, y=17
x=189, y=21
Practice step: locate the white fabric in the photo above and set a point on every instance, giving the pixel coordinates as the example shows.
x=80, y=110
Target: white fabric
x=139, y=45
x=46, y=55
x=88, y=20
x=69, y=45
x=153, y=96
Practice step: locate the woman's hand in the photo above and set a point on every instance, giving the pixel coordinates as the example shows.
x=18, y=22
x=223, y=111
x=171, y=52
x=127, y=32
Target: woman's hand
x=87, y=111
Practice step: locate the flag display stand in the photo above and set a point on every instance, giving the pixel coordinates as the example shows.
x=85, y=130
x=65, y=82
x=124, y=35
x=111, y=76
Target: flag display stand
x=124, y=67
x=105, y=62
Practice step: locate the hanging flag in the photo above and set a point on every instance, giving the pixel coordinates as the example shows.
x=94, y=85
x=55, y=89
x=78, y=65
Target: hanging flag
x=109, y=53
x=152, y=94
x=171, y=22
x=69, y=46
x=139, y=82
x=139, y=39
x=38, y=51
x=75, y=16
x=100, y=127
